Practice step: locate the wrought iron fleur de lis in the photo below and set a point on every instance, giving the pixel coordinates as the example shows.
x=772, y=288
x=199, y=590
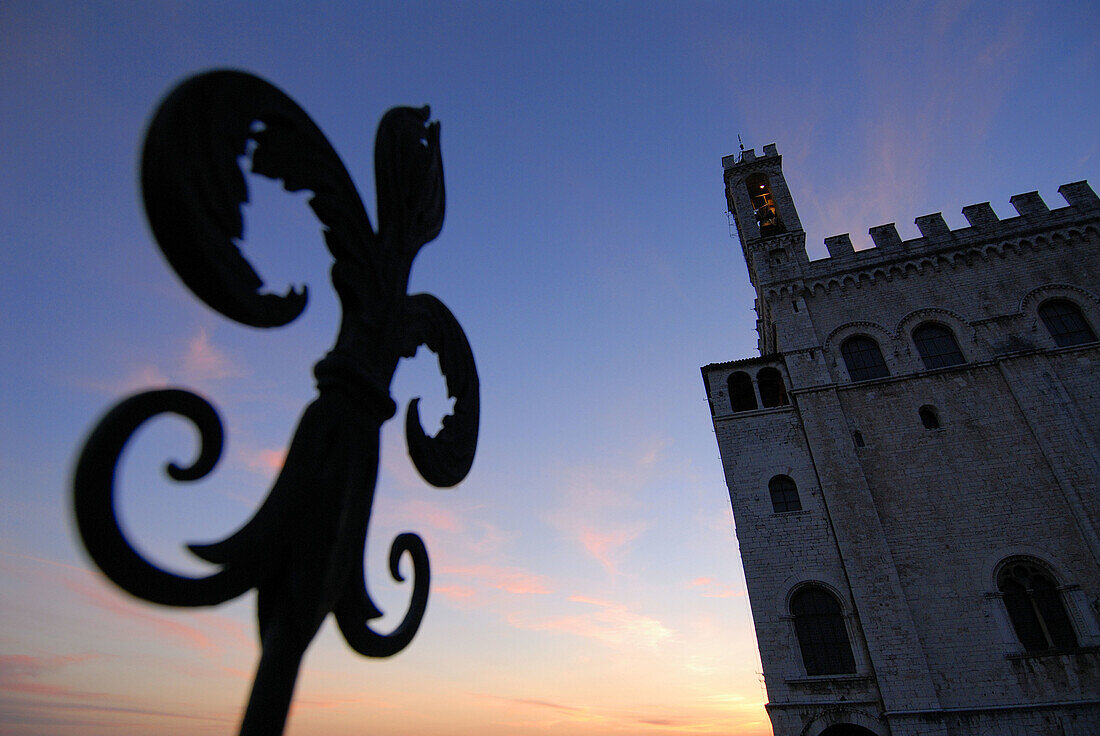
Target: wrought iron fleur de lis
x=304, y=547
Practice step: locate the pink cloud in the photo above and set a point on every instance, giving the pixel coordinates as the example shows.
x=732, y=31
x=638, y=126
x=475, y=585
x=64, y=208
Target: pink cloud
x=454, y=592
x=40, y=561
x=653, y=451
x=607, y=546
x=19, y=674
x=265, y=461
x=397, y=467
x=554, y=716
x=433, y=515
x=714, y=589
x=217, y=632
x=490, y=540
x=536, y=703
x=509, y=579
x=201, y=361
x=158, y=625
x=139, y=378
x=610, y=623
x=229, y=630
x=590, y=601
x=16, y=666
x=595, y=499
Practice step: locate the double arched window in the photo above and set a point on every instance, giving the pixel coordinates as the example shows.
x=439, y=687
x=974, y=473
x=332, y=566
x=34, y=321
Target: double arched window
x=1035, y=607
x=863, y=359
x=937, y=346
x=743, y=394
x=822, y=635
x=1065, y=323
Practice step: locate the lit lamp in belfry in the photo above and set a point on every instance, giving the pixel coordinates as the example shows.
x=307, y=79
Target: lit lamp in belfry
x=303, y=549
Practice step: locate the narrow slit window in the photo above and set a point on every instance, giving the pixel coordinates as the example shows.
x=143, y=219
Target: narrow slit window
x=929, y=418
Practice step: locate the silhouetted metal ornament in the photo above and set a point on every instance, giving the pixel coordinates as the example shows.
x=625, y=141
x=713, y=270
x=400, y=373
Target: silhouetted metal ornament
x=304, y=547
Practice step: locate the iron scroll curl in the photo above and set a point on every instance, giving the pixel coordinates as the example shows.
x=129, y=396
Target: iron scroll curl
x=304, y=547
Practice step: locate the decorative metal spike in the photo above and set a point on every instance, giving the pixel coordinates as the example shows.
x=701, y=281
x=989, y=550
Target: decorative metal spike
x=303, y=549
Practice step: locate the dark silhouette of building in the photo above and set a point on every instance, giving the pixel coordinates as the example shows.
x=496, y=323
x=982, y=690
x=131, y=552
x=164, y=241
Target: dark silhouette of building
x=914, y=467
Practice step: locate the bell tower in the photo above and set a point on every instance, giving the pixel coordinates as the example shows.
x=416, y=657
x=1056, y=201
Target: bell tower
x=761, y=205
x=768, y=227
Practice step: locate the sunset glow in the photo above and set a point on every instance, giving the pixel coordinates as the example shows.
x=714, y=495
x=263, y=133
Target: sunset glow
x=585, y=575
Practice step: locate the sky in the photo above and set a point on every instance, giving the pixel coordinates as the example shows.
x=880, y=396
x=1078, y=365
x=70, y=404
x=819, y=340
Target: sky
x=585, y=575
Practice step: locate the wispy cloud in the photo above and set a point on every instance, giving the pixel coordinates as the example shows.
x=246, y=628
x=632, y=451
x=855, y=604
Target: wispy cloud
x=436, y=516
x=141, y=377
x=700, y=718
x=161, y=626
x=710, y=588
x=488, y=539
x=265, y=461
x=48, y=713
x=203, y=361
x=455, y=592
x=206, y=632
x=610, y=623
x=47, y=703
x=607, y=545
x=960, y=86
x=197, y=362
x=596, y=503
x=20, y=673
x=508, y=579
x=536, y=703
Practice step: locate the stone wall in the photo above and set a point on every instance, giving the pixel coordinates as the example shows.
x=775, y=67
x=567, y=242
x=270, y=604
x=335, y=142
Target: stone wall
x=907, y=524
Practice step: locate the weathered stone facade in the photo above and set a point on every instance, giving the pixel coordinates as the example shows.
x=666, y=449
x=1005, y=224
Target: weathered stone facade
x=938, y=504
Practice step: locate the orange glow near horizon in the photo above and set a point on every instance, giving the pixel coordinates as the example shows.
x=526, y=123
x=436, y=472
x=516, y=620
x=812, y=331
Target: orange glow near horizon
x=586, y=576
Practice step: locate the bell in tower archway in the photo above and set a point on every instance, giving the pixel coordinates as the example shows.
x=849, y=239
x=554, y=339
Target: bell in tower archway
x=763, y=205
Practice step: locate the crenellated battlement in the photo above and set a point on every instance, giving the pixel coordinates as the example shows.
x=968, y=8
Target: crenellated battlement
x=789, y=286
x=938, y=241
x=748, y=156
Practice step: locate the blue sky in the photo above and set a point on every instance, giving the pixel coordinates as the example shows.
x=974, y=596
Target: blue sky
x=585, y=575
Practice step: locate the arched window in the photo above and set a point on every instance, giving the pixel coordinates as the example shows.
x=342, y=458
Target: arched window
x=929, y=418
x=1065, y=323
x=763, y=206
x=937, y=346
x=770, y=383
x=784, y=494
x=863, y=358
x=742, y=397
x=1035, y=607
x=822, y=636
